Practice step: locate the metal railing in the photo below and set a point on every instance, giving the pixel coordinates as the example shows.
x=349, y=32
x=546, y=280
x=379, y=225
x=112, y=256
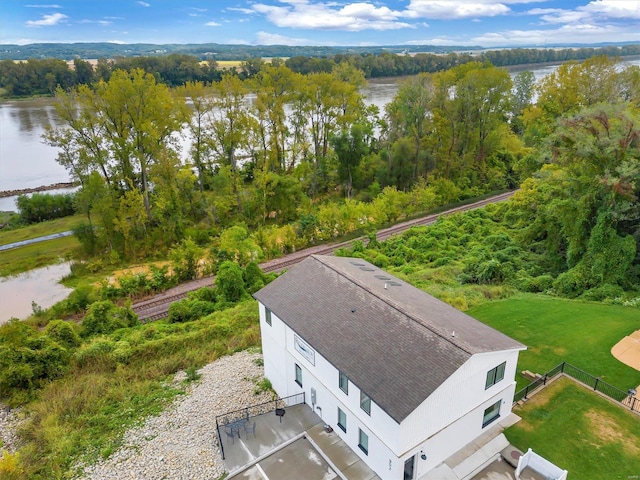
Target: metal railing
x=627, y=399
x=254, y=411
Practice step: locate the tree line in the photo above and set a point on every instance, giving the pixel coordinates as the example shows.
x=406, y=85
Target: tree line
x=42, y=77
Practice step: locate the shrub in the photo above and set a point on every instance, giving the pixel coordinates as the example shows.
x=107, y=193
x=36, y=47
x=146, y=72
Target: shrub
x=79, y=299
x=44, y=206
x=63, y=333
x=105, y=317
x=603, y=292
x=229, y=282
x=254, y=277
x=179, y=311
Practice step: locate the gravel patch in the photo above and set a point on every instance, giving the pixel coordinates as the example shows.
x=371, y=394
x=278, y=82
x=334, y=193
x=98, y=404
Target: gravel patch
x=10, y=420
x=181, y=443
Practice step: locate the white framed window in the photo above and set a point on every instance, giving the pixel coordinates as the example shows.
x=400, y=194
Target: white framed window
x=342, y=420
x=365, y=402
x=491, y=413
x=363, y=441
x=298, y=375
x=267, y=316
x=343, y=382
x=495, y=375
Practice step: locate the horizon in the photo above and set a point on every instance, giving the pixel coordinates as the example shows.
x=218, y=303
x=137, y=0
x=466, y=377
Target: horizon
x=370, y=23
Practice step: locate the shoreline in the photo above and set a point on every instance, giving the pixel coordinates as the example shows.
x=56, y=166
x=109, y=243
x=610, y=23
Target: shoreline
x=41, y=188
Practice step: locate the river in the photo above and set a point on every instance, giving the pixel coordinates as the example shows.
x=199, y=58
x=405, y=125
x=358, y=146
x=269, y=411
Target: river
x=26, y=162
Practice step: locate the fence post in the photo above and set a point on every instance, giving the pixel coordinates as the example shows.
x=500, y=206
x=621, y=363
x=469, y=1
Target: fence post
x=544, y=382
x=595, y=386
x=562, y=368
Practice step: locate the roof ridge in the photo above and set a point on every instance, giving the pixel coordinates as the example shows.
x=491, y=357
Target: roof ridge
x=392, y=304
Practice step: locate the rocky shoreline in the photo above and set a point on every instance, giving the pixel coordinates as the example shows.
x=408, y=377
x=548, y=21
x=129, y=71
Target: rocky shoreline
x=41, y=188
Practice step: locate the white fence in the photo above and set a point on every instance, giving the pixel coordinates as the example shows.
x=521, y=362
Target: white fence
x=541, y=465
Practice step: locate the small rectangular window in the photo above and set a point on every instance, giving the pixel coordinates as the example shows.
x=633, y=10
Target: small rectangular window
x=344, y=383
x=298, y=375
x=267, y=316
x=365, y=402
x=495, y=375
x=342, y=420
x=491, y=413
x=363, y=442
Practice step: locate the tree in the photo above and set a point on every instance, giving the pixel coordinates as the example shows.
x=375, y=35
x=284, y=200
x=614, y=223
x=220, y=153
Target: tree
x=350, y=147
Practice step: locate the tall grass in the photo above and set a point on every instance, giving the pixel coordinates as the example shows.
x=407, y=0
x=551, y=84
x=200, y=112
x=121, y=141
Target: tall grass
x=84, y=415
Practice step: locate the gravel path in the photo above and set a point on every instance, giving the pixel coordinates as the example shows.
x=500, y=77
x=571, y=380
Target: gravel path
x=181, y=443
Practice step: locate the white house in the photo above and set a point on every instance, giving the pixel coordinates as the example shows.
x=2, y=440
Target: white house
x=405, y=379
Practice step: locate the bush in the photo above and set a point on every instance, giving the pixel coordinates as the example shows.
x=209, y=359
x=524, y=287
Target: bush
x=105, y=317
x=44, y=206
x=229, y=282
x=603, y=292
x=63, y=333
x=187, y=310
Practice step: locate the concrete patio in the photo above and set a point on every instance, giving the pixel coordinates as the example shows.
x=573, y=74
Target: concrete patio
x=296, y=447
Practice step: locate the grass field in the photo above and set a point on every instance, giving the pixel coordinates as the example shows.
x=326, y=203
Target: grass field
x=579, y=431
x=38, y=255
x=40, y=229
x=554, y=329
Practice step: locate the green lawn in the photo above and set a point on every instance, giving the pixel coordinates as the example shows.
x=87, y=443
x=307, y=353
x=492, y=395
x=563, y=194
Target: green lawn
x=40, y=229
x=18, y=260
x=579, y=431
x=582, y=333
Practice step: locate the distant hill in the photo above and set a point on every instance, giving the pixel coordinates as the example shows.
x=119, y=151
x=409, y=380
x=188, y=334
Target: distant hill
x=68, y=51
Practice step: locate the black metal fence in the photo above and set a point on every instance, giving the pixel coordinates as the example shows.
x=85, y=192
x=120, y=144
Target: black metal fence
x=254, y=411
x=628, y=398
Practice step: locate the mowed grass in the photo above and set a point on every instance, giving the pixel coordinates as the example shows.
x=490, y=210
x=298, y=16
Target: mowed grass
x=22, y=259
x=40, y=229
x=579, y=431
x=556, y=330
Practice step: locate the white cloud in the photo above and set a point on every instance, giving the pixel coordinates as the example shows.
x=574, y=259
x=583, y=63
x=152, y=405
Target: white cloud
x=578, y=33
x=265, y=38
x=47, y=20
x=352, y=17
x=101, y=22
x=453, y=9
x=212, y=24
x=144, y=4
x=117, y=42
x=43, y=6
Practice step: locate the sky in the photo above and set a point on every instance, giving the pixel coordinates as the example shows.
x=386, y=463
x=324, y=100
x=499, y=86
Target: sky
x=506, y=23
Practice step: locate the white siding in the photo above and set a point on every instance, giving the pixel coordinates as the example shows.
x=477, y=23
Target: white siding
x=452, y=416
x=449, y=419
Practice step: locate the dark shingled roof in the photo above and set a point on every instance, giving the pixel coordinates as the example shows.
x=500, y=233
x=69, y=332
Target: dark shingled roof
x=397, y=343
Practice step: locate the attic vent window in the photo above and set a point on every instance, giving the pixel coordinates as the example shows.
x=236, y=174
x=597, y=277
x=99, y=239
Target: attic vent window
x=367, y=269
x=382, y=277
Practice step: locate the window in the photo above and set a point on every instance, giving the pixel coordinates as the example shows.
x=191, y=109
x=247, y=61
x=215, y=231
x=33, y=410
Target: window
x=342, y=420
x=298, y=375
x=491, y=413
x=363, y=442
x=344, y=383
x=267, y=316
x=365, y=402
x=495, y=375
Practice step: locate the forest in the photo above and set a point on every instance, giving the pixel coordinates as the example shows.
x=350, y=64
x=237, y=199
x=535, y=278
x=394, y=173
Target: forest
x=281, y=160
x=41, y=76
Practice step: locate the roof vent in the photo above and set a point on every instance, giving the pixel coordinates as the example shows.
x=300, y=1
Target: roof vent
x=385, y=286
x=382, y=277
x=453, y=334
x=367, y=269
x=357, y=264
x=395, y=284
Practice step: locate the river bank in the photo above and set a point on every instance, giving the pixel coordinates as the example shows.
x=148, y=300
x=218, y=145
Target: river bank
x=41, y=188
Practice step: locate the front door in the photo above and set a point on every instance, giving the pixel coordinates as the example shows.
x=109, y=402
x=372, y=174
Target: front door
x=409, y=467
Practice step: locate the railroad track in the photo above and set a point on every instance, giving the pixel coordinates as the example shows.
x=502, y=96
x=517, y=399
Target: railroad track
x=157, y=307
